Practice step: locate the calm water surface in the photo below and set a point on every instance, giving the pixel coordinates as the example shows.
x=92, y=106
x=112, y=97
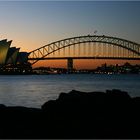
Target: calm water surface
x=34, y=90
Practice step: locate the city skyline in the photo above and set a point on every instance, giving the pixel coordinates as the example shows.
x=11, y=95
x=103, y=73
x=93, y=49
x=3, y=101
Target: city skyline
x=32, y=24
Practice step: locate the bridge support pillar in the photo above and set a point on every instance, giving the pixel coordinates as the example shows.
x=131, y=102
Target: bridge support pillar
x=70, y=65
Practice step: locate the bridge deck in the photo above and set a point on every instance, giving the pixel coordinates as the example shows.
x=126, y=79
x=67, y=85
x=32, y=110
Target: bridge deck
x=57, y=58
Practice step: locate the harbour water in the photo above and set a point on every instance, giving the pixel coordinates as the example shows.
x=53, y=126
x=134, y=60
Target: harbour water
x=34, y=90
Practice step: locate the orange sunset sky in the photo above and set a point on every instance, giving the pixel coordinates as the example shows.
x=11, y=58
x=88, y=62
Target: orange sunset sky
x=33, y=24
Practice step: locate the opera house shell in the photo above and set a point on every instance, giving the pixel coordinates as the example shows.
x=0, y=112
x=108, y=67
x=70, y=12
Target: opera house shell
x=11, y=59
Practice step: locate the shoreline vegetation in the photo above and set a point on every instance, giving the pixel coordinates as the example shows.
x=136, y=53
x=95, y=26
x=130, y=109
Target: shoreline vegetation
x=110, y=114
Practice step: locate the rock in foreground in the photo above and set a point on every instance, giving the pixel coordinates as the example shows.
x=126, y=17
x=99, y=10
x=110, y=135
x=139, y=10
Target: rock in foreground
x=113, y=114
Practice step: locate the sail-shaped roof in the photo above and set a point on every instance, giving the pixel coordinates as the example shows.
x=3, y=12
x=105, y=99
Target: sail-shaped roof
x=12, y=55
x=4, y=47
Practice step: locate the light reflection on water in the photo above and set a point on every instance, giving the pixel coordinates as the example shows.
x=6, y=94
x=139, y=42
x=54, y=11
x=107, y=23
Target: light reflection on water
x=34, y=90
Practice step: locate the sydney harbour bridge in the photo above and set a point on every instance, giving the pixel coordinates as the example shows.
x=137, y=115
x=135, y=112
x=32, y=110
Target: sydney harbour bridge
x=81, y=47
x=87, y=47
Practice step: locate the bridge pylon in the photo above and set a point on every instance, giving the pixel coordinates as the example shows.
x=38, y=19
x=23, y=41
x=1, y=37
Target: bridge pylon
x=70, y=65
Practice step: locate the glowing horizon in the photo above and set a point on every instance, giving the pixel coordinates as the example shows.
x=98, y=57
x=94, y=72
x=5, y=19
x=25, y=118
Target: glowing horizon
x=33, y=24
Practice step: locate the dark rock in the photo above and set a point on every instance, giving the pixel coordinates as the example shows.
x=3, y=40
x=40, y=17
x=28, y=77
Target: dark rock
x=76, y=114
x=108, y=114
x=2, y=106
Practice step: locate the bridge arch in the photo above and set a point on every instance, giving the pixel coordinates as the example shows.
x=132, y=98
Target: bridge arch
x=44, y=51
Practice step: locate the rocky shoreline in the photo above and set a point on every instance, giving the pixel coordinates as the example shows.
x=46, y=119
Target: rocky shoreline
x=110, y=114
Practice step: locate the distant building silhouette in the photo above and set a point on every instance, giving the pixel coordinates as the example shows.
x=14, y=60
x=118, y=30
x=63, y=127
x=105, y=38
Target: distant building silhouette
x=11, y=55
x=11, y=59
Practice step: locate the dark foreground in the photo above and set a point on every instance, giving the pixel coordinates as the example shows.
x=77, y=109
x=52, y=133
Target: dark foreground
x=113, y=114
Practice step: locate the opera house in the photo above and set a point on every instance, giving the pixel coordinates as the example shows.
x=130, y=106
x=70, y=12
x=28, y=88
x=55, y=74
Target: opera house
x=11, y=60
